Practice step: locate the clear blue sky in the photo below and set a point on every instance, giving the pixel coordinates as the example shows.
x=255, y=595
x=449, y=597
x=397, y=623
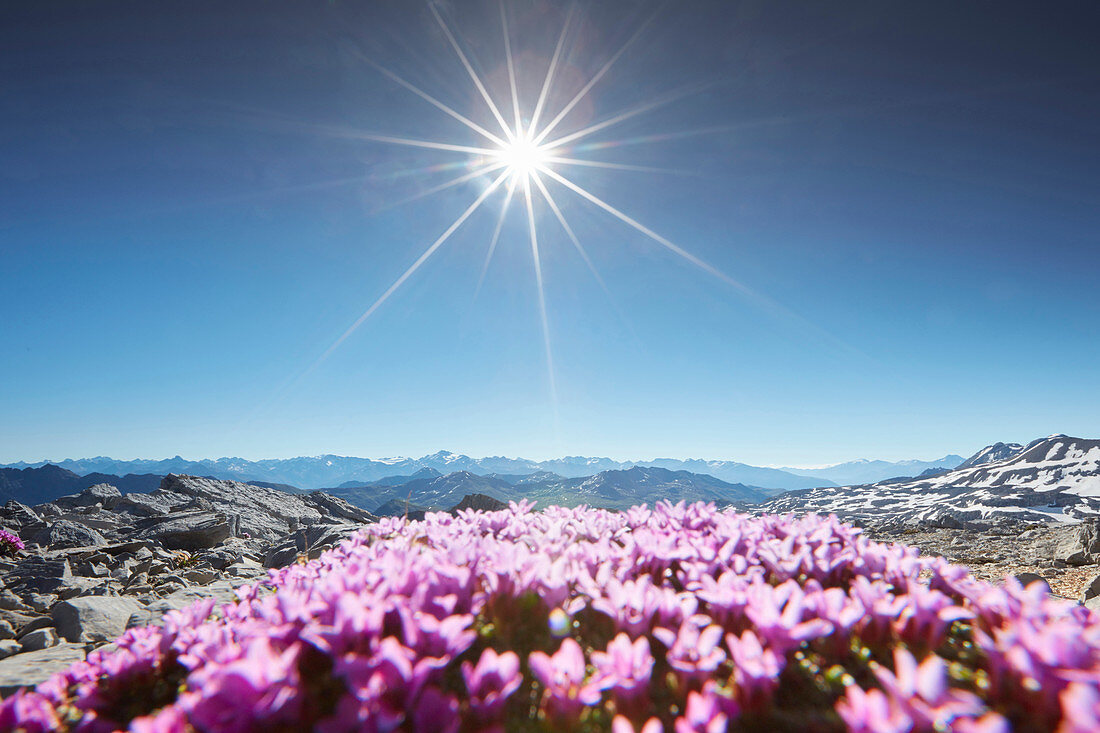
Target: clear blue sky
x=188, y=221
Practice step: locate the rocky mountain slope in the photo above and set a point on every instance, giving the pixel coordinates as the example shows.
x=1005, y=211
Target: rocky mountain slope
x=1055, y=479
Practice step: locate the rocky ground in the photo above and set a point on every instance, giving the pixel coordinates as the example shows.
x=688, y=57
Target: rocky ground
x=1066, y=558
x=100, y=562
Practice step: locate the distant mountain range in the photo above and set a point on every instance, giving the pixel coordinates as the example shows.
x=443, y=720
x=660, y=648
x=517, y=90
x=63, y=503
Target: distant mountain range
x=330, y=470
x=1049, y=479
x=866, y=472
x=615, y=489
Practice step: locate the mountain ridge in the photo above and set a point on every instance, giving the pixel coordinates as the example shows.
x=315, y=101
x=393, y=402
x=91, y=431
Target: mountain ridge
x=1052, y=479
x=327, y=470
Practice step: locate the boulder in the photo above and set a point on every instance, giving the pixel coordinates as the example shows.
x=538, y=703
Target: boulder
x=93, y=618
x=6, y=630
x=39, y=639
x=11, y=602
x=18, y=516
x=38, y=574
x=25, y=670
x=8, y=647
x=185, y=531
x=1092, y=588
x=36, y=623
x=1077, y=544
x=336, y=508
x=309, y=542
x=1026, y=579
x=67, y=533
x=104, y=495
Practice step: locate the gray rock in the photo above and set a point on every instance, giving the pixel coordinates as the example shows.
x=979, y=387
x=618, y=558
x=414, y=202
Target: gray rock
x=15, y=619
x=200, y=576
x=1026, y=579
x=221, y=591
x=1077, y=544
x=1092, y=590
x=11, y=602
x=39, y=575
x=264, y=513
x=186, y=531
x=77, y=586
x=18, y=516
x=246, y=569
x=6, y=630
x=96, y=570
x=41, y=602
x=66, y=533
x=309, y=542
x=25, y=670
x=8, y=647
x=104, y=495
x=36, y=623
x=93, y=618
x=39, y=639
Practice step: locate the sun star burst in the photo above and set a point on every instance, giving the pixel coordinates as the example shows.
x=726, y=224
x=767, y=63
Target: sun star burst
x=525, y=156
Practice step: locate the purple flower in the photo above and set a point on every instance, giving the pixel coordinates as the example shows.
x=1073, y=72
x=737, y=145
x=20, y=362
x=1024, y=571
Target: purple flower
x=625, y=669
x=1080, y=708
x=9, y=543
x=755, y=668
x=29, y=712
x=563, y=675
x=704, y=714
x=491, y=682
x=621, y=724
x=693, y=652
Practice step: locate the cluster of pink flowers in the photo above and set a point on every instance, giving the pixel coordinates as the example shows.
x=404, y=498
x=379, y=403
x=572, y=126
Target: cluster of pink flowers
x=9, y=543
x=677, y=619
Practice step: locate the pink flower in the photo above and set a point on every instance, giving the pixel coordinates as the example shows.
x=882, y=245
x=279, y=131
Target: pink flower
x=693, y=652
x=623, y=725
x=491, y=682
x=703, y=715
x=563, y=676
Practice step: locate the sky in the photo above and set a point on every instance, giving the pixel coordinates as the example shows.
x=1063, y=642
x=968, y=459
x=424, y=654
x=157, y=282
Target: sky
x=892, y=211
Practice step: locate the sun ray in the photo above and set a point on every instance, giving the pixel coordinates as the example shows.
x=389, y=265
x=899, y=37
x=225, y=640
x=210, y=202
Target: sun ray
x=583, y=252
x=591, y=83
x=623, y=116
x=488, y=168
x=655, y=138
x=775, y=309
x=540, y=289
x=702, y=264
x=511, y=69
x=412, y=268
x=433, y=101
x=550, y=71
x=613, y=166
x=496, y=235
x=423, y=144
x=470, y=69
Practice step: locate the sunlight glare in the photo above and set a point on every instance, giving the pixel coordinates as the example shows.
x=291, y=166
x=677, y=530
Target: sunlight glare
x=524, y=157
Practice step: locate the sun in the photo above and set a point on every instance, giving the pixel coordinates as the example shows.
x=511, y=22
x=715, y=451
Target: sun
x=523, y=157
